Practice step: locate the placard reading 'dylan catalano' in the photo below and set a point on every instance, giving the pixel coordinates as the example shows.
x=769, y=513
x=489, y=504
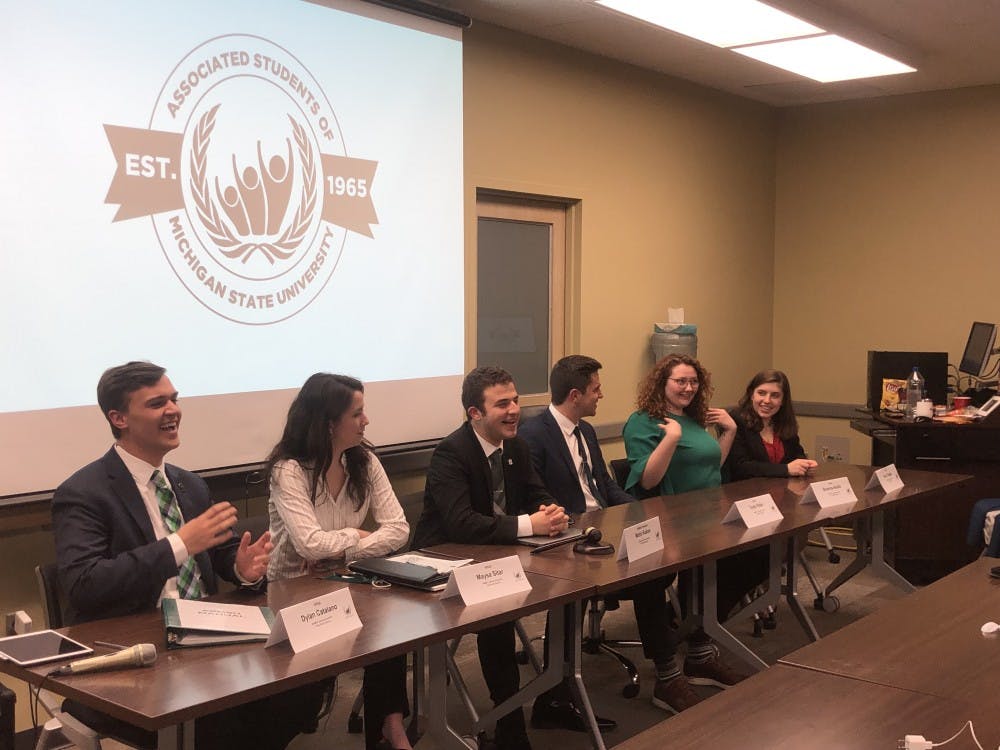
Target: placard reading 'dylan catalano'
x=316, y=621
x=641, y=539
x=482, y=582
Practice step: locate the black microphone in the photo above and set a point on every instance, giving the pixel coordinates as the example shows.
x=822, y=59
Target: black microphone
x=591, y=535
x=139, y=655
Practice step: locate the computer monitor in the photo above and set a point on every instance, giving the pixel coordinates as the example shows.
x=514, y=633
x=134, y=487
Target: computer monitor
x=978, y=349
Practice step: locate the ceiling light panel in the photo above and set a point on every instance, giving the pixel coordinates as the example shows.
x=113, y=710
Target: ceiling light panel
x=826, y=58
x=724, y=23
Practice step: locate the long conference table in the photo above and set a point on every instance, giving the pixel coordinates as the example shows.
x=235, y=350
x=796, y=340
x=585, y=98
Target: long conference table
x=185, y=684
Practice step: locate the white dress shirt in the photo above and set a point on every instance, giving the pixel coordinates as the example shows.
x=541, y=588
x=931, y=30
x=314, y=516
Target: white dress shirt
x=523, y=520
x=567, y=427
x=304, y=533
x=142, y=474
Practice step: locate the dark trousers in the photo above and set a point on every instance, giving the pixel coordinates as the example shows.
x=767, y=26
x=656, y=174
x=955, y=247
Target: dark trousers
x=269, y=723
x=503, y=678
x=384, y=693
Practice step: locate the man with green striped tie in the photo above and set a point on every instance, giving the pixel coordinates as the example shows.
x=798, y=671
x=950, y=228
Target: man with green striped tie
x=131, y=530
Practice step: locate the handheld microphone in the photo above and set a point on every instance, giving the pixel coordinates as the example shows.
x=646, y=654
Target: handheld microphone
x=139, y=655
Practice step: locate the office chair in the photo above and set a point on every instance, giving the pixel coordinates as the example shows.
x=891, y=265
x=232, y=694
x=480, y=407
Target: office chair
x=62, y=728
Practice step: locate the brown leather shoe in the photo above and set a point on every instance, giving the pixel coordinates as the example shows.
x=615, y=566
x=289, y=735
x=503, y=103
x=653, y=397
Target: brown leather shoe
x=714, y=672
x=674, y=695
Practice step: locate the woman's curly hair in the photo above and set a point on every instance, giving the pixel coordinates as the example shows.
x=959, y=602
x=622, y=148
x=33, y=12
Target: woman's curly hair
x=652, y=397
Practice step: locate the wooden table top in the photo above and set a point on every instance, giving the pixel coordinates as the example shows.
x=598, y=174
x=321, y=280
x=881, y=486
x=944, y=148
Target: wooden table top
x=187, y=683
x=693, y=530
x=929, y=641
x=784, y=708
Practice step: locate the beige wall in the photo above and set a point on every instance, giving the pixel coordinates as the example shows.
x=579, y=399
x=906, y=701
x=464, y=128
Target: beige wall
x=886, y=233
x=676, y=190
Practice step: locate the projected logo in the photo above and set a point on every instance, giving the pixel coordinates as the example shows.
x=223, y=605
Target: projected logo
x=245, y=176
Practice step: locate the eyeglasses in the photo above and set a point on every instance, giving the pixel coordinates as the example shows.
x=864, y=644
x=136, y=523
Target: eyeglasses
x=685, y=382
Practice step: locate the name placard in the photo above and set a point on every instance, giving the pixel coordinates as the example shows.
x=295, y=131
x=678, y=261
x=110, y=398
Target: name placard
x=316, y=621
x=754, y=511
x=482, y=582
x=830, y=493
x=887, y=478
x=640, y=540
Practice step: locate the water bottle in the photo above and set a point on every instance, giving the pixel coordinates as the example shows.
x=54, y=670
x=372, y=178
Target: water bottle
x=914, y=392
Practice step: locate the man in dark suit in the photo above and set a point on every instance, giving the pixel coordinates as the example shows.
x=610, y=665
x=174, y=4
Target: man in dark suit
x=482, y=489
x=566, y=454
x=131, y=530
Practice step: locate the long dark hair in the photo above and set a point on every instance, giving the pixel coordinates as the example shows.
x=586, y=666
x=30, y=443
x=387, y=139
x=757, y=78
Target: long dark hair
x=652, y=397
x=784, y=423
x=320, y=404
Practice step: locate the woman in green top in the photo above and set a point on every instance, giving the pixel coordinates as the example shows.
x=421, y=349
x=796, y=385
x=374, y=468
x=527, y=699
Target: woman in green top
x=670, y=450
x=668, y=446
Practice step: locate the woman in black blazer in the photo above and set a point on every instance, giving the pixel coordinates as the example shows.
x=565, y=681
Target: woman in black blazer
x=767, y=433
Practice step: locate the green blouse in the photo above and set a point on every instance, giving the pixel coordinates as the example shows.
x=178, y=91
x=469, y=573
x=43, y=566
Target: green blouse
x=695, y=464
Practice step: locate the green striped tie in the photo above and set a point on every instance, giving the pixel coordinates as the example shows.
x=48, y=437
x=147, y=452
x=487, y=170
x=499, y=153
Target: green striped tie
x=188, y=583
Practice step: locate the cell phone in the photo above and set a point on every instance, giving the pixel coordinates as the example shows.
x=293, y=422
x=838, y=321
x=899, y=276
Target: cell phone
x=995, y=571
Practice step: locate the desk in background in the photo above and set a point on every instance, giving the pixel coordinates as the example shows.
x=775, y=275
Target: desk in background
x=928, y=539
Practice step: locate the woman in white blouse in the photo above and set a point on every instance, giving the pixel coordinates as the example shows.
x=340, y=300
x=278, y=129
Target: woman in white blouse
x=324, y=480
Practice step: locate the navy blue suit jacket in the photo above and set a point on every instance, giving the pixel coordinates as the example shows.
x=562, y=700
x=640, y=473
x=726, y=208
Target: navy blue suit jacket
x=110, y=562
x=458, y=499
x=554, y=464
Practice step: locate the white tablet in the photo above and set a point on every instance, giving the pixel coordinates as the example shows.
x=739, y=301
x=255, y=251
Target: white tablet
x=38, y=648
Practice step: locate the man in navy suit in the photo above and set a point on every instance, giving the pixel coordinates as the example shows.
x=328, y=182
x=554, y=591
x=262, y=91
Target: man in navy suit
x=566, y=454
x=482, y=489
x=131, y=530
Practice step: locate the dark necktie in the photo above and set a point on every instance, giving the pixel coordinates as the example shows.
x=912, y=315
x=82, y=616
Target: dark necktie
x=188, y=583
x=496, y=474
x=587, y=473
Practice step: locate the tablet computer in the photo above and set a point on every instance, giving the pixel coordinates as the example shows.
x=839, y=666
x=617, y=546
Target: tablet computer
x=38, y=648
x=543, y=539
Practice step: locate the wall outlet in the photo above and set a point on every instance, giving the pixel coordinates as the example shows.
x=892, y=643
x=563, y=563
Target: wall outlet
x=831, y=448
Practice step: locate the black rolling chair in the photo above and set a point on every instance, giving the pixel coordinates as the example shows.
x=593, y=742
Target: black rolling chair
x=595, y=640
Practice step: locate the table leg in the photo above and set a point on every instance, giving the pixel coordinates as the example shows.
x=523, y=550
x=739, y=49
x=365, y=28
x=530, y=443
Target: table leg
x=879, y=566
x=869, y=536
x=440, y=731
x=438, y=668
x=180, y=736
x=574, y=670
x=790, y=589
x=710, y=619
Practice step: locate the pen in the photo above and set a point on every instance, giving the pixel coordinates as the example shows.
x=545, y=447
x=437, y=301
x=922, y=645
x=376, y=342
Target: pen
x=105, y=644
x=439, y=554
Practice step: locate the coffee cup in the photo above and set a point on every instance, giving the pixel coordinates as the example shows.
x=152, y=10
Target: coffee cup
x=960, y=402
x=924, y=409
